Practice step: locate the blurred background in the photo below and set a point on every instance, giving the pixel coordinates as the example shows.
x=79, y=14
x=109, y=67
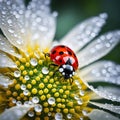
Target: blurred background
x=71, y=12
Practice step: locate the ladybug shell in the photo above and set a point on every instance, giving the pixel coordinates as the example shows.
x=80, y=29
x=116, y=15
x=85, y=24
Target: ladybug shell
x=60, y=54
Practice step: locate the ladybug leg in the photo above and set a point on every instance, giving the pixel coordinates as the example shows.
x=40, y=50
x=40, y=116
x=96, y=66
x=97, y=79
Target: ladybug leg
x=71, y=80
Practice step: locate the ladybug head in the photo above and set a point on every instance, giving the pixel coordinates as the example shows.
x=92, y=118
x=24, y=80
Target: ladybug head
x=67, y=70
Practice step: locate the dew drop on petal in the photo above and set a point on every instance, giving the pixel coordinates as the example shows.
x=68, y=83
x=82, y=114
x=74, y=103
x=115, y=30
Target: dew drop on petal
x=30, y=113
x=9, y=21
x=17, y=73
x=51, y=100
x=10, y=30
x=33, y=61
x=19, y=41
x=58, y=116
x=38, y=108
x=18, y=103
x=69, y=116
x=26, y=92
x=23, y=87
x=26, y=77
x=45, y=70
x=35, y=99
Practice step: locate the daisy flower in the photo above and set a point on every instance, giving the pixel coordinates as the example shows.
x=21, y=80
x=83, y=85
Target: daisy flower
x=29, y=89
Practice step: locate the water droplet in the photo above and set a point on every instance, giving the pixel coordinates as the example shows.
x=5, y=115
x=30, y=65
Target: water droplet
x=84, y=112
x=82, y=93
x=26, y=77
x=45, y=70
x=30, y=102
x=76, y=97
x=58, y=116
x=17, y=73
x=77, y=82
x=69, y=116
x=10, y=30
x=26, y=92
x=79, y=101
x=55, y=14
x=38, y=108
x=51, y=100
x=33, y=61
x=14, y=101
x=30, y=113
x=22, y=30
x=23, y=87
x=19, y=41
x=35, y=99
x=18, y=103
x=26, y=103
x=49, y=114
x=9, y=21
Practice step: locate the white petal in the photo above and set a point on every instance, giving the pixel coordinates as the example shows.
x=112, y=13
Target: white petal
x=40, y=22
x=7, y=47
x=101, y=115
x=15, y=113
x=109, y=107
x=84, y=32
x=5, y=81
x=110, y=93
x=5, y=61
x=12, y=22
x=98, y=48
x=102, y=71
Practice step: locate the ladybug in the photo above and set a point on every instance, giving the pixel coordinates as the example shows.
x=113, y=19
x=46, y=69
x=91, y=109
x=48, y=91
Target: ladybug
x=66, y=59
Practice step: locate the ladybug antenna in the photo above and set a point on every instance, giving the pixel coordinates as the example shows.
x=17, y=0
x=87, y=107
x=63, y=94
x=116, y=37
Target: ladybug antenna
x=69, y=62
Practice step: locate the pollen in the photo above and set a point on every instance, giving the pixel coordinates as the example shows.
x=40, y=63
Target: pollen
x=36, y=82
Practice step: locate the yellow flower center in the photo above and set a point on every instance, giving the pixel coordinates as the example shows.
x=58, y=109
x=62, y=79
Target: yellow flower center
x=37, y=82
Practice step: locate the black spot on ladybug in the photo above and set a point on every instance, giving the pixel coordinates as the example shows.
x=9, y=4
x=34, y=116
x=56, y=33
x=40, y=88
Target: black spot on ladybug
x=60, y=61
x=62, y=46
x=61, y=53
x=69, y=53
x=54, y=52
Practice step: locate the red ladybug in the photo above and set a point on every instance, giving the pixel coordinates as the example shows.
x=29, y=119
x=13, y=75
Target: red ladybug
x=64, y=57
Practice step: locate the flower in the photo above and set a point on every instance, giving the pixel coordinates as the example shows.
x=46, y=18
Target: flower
x=29, y=89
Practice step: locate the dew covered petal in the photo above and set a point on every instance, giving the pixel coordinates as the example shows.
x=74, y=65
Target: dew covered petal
x=84, y=32
x=12, y=22
x=98, y=48
x=102, y=71
x=101, y=115
x=7, y=47
x=5, y=61
x=110, y=93
x=15, y=113
x=41, y=23
x=107, y=106
x=5, y=81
